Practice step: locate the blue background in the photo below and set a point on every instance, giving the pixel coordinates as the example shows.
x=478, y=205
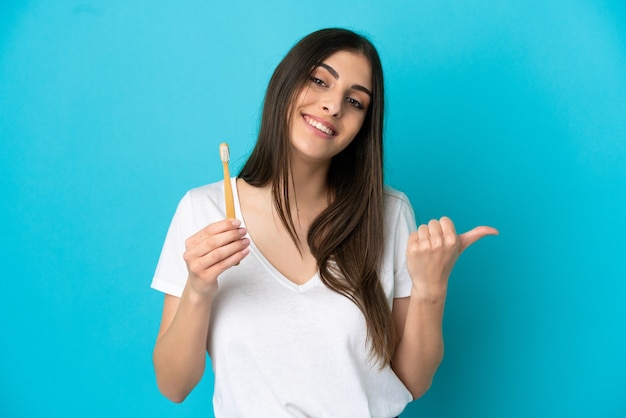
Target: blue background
x=506, y=113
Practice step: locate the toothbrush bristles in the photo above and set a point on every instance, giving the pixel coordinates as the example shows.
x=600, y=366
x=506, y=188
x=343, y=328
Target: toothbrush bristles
x=224, y=152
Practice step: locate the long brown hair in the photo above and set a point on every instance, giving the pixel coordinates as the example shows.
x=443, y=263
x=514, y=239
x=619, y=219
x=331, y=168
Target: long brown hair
x=347, y=237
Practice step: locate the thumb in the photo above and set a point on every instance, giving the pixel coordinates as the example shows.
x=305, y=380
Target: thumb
x=474, y=235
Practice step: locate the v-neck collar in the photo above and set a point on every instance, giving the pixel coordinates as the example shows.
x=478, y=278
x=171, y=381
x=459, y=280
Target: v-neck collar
x=312, y=282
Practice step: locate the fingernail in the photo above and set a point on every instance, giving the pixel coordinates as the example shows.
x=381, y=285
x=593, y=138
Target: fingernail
x=242, y=231
x=236, y=223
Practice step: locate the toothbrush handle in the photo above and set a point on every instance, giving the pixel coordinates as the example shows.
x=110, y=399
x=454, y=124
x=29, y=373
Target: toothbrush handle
x=228, y=193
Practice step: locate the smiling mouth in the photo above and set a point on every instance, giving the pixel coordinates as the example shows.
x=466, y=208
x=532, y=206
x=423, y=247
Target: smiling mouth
x=319, y=126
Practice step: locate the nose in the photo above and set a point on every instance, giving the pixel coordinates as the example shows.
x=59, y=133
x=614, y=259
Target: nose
x=332, y=105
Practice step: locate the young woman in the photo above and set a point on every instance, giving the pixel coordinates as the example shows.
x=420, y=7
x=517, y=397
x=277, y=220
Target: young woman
x=321, y=299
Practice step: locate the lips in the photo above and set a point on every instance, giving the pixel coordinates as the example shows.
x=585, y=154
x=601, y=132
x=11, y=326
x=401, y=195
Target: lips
x=320, y=126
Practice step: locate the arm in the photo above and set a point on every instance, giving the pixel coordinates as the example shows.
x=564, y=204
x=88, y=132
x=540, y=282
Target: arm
x=432, y=252
x=420, y=347
x=179, y=354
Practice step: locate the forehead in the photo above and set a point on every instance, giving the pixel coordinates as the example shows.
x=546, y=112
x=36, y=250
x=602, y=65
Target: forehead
x=353, y=67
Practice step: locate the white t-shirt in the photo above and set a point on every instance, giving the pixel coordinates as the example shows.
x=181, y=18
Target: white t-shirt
x=279, y=349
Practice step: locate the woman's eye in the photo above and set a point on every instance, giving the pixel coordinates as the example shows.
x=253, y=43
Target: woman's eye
x=354, y=103
x=318, y=81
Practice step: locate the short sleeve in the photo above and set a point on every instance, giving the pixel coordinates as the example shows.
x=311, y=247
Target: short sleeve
x=171, y=272
x=404, y=226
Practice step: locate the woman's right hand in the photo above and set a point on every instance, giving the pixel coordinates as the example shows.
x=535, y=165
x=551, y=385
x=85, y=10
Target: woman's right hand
x=211, y=251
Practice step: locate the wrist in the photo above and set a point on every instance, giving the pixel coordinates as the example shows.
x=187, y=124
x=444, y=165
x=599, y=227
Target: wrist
x=198, y=297
x=430, y=293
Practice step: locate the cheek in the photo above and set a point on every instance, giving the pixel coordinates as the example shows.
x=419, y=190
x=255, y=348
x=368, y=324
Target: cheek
x=298, y=101
x=357, y=123
x=304, y=96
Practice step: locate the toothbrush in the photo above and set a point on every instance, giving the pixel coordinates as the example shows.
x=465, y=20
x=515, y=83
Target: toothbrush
x=228, y=189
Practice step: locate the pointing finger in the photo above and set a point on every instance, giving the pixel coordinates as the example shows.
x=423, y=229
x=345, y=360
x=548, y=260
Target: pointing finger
x=475, y=234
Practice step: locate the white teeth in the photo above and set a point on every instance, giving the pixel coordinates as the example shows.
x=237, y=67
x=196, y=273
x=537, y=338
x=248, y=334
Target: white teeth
x=320, y=126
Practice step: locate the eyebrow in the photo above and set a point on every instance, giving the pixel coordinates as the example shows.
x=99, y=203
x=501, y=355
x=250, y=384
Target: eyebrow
x=335, y=74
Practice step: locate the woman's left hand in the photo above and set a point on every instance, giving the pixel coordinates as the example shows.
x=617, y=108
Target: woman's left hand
x=432, y=251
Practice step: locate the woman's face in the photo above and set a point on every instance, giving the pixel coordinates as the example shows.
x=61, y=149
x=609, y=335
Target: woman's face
x=330, y=109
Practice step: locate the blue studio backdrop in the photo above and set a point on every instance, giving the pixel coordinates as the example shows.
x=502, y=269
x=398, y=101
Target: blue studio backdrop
x=505, y=113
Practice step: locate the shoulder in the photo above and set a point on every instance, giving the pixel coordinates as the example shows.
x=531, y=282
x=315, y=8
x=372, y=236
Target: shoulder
x=393, y=196
x=203, y=203
x=397, y=208
x=395, y=201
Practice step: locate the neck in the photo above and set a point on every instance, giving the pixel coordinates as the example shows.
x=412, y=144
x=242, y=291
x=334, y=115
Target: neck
x=309, y=189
